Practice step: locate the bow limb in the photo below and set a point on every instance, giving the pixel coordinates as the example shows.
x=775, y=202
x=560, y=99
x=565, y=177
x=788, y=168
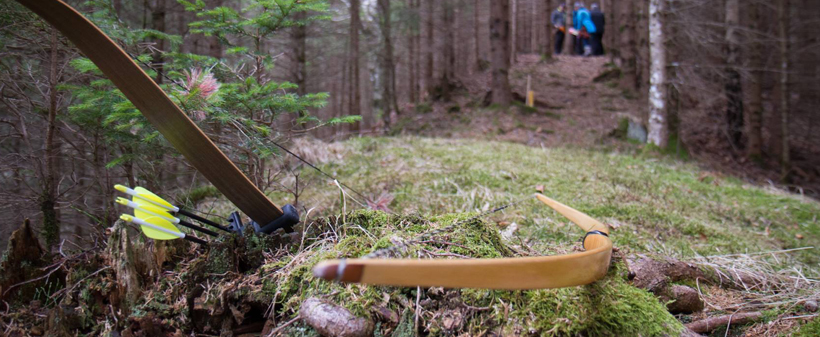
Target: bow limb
x=506, y=273
x=158, y=108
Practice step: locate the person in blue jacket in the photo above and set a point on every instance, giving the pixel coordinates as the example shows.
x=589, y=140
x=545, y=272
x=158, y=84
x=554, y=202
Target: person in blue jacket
x=582, y=22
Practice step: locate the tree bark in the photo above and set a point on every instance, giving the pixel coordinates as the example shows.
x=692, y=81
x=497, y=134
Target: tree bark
x=300, y=53
x=783, y=33
x=158, y=24
x=533, y=30
x=500, y=50
x=513, y=39
x=658, y=124
x=547, y=29
x=476, y=33
x=448, y=52
x=733, y=86
x=428, y=71
x=388, y=64
x=411, y=57
x=755, y=116
x=355, y=92
x=628, y=45
x=48, y=199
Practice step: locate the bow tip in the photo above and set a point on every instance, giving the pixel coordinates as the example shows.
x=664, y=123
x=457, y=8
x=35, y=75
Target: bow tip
x=326, y=270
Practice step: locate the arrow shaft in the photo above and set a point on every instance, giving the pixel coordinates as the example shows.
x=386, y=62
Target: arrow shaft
x=168, y=218
x=197, y=228
x=202, y=220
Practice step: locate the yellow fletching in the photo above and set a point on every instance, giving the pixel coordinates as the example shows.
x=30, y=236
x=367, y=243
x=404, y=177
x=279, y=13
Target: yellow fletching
x=148, y=207
x=151, y=196
x=159, y=222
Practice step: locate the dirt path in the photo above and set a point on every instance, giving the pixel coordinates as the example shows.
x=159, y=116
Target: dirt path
x=573, y=109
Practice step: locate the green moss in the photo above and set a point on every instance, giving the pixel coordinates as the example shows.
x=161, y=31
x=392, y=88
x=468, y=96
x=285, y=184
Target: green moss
x=810, y=329
x=608, y=307
x=661, y=204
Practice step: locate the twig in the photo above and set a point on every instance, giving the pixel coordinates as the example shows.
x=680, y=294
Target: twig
x=34, y=279
x=762, y=253
x=57, y=294
x=283, y=326
x=798, y=317
x=416, y=319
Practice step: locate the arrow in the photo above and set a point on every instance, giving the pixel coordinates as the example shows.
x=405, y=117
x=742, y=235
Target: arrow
x=157, y=229
x=137, y=207
x=145, y=197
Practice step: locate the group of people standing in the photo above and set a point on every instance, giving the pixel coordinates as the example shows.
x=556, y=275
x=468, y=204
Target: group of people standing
x=587, y=29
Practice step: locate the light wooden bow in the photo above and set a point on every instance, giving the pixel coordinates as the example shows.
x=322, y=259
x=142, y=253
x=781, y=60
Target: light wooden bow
x=158, y=108
x=505, y=273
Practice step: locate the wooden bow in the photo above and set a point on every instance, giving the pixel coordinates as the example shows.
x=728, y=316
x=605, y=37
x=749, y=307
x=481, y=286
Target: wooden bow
x=506, y=273
x=158, y=108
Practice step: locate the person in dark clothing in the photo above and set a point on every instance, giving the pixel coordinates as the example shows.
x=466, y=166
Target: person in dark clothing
x=597, y=38
x=559, y=22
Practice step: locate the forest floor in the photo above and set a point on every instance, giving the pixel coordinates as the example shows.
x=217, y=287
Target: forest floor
x=572, y=109
x=756, y=244
x=579, y=103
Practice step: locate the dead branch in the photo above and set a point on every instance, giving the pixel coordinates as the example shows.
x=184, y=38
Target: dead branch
x=712, y=323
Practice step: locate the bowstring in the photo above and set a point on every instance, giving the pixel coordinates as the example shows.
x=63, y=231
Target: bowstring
x=306, y=162
x=399, y=248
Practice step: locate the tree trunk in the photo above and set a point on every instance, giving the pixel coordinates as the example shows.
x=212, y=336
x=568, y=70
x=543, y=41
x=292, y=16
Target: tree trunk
x=629, y=61
x=533, y=27
x=388, y=64
x=449, y=51
x=476, y=33
x=755, y=117
x=513, y=39
x=733, y=87
x=658, y=124
x=355, y=92
x=428, y=71
x=411, y=57
x=547, y=29
x=783, y=32
x=500, y=50
x=48, y=199
x=158, y=23
x=300, y=53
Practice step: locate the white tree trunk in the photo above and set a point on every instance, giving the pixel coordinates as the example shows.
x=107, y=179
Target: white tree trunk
x=658, y=124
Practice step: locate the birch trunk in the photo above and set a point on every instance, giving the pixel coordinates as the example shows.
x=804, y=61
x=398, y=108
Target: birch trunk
x=658, y=124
